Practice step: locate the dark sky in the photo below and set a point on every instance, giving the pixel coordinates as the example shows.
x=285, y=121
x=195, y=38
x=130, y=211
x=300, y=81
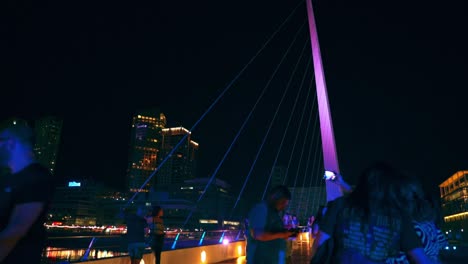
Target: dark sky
x=396, y=76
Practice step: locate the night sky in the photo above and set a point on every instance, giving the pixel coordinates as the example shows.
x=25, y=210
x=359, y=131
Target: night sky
x=396, y=76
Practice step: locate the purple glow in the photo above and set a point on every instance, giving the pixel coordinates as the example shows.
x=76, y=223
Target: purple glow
x=330, y=157
x=225, y=241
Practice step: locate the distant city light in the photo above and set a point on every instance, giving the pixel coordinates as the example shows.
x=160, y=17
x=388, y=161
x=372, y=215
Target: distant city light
x=74, y=184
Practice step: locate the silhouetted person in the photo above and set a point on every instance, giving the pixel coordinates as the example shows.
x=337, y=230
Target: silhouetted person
x=368, y=226
x=136, y=226
x=156, y=226
x=25, y=195
x=267, y=236
x=423, y=213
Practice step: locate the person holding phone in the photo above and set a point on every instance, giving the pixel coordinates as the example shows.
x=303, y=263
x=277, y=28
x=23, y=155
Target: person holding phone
x=266, y=240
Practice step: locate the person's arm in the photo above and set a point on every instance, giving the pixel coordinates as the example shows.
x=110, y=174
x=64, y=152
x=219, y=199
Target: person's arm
x=411, y=243
x=320, y=238
x=343, y=184
x=21, y=220
x=257, y=221
x=418, y=256
x=325, y=227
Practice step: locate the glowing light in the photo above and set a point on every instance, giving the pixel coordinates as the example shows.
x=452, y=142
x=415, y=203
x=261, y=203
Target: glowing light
x=201, y=239
x=455, y=216
x=454, y=248
x=225, y=241
x=240, y=260
x=175, y=241
x=231, y=223
x=203, y=256
x=14, y=122
x=239, y=250
x=74, y=184
x=209, y=221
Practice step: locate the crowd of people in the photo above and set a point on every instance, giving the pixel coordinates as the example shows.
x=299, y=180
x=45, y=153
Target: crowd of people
x=387, y=218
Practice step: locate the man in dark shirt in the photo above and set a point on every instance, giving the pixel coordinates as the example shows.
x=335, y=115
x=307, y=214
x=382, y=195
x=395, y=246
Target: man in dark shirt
x=266, y=239
x=25, y=195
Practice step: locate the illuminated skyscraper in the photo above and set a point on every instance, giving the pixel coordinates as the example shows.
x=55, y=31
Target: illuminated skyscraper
x=182, y=165
x=145, y=143
x=454, y=196
x=48, y=132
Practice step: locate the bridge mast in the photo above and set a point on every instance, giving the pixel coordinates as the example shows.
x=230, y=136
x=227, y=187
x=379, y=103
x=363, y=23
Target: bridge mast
x=330, y=157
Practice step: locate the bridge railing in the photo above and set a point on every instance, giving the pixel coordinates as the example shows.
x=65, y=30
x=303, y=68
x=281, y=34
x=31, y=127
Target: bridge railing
x=81, y=248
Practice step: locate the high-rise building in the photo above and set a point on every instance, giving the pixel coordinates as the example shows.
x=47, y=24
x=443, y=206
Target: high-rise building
x=454, y=195
x=145, y=143
x=74, y=204
x=48, y=132
x=181, y=165
x=212, y=212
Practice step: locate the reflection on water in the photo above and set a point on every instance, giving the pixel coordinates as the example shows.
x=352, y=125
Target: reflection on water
x=57, y=254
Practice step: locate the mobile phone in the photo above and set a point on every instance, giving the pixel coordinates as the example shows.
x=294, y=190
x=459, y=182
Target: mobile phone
x=329, y=176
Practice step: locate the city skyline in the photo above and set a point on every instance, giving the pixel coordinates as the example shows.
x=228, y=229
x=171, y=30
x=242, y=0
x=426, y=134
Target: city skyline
x=395, y=88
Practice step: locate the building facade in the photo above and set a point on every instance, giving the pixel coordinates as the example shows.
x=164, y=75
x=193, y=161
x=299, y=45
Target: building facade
x=74, y=204
x=48, y=132
x=181, y=166
x=145, y=145
x=213, y=211
x=454, y=197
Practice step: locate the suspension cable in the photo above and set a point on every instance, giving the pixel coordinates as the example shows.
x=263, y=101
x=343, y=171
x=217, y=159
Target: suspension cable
x=230, y=84
x=286, y=131
x=246, y=120
x=298, y=130
x=312, y=144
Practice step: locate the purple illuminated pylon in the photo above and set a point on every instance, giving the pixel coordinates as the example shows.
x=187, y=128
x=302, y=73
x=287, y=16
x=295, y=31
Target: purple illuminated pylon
x=330, y=157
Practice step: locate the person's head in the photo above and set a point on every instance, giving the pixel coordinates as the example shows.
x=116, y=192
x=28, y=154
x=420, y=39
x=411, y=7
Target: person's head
x=279, y=197
x=414, y=201
x=377, y=189
x=16, y=143
x=157, y=211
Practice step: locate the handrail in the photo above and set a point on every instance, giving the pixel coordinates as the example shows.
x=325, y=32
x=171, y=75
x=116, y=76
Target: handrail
x=186, y=239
